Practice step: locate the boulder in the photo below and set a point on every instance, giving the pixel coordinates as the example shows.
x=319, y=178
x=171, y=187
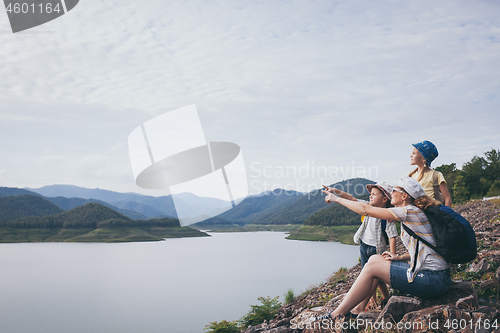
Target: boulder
x=457, y=291
x=424, y=320
x=335, y=302
x=468, y=303
x=490, y=311
x=488, y=284
x=397, y=307
x=481, y=266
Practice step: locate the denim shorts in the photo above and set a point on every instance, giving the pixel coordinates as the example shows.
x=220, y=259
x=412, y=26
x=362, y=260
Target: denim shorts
x=366, y=251
x=427, y=284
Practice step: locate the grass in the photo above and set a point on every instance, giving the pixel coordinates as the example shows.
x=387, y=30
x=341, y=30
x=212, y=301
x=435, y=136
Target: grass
x=289, y=296
x=342, y=233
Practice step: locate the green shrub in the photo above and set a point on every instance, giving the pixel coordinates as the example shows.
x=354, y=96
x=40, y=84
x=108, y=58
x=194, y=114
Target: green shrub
x=289, y=296
x=259, y=313
x=339, y=276
x=223, y=327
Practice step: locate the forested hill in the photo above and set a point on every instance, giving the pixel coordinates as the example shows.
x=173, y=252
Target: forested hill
x=70, y=203
x=91, y=215
x=21, y=206
x=336, y=215
x=308, y=204
x=92, y=223
x=252, y=207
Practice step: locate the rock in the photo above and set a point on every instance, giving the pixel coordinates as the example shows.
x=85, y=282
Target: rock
x=456, y=292
x=397, y=307
x=432, y=319
x=303, y=319
x=366, y=318
x=470, y=303
x=488, y=310
x=489, y=284
x=488, y=253
x=369, y=316
x=255, y=329
x=497, y=275
x=334, y=302
x=422, y=320
x=281, y=329
x=482, y=265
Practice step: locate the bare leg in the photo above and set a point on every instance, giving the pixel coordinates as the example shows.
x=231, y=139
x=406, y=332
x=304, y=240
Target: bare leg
x=377, y=268
x=362, y=306
x=384, y=290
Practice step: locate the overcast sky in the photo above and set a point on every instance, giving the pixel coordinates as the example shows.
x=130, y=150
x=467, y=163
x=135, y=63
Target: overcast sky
x=310, y=90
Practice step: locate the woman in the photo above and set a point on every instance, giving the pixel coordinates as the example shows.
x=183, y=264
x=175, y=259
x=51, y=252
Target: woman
x=425, y=276
x=432, y=181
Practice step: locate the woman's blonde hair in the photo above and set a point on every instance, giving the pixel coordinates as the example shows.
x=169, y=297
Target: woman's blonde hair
x=419, y=176
x=425, y=201
x=422, y=202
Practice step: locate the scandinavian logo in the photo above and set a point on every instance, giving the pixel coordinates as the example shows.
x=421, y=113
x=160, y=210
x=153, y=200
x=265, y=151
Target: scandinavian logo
x=170, y=151
x=26, y=14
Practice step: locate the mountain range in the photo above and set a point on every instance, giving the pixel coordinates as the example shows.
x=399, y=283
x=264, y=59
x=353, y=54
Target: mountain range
x=278, y=207
x=148, y=206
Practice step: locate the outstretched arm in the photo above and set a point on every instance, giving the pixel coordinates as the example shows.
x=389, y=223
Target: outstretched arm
x=361, y=207
x=340, y=193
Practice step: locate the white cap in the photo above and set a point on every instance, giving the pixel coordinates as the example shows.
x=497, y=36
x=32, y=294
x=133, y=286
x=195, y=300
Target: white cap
x=412, y=187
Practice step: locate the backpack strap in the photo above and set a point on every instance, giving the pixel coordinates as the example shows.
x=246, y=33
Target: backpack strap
x=383, y=225
x=415, y=256
x=418, y=238
x=435, y=185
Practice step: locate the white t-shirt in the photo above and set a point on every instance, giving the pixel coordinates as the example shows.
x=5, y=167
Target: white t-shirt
x=369, y=237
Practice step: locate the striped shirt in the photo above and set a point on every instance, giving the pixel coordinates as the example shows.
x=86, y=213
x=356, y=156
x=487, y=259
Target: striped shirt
x=415, y=219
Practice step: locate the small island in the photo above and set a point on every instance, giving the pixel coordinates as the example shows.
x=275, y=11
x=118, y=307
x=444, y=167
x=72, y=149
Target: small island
x=91, y=222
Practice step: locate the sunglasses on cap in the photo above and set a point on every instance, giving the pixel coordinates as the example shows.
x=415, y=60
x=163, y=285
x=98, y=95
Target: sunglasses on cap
x=396, y=189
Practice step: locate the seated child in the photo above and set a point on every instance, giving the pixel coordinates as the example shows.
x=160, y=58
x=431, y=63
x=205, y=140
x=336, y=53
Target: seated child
x=370, y=235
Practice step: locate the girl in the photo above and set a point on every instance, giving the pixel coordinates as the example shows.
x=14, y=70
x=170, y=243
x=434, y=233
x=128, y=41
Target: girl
x=432, y=181
x=426, y=275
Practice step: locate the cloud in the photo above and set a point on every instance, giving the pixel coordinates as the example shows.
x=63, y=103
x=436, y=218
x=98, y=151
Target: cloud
x=289, y=81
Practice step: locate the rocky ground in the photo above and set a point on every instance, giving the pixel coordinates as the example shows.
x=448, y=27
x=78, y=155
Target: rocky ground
x=471, y=305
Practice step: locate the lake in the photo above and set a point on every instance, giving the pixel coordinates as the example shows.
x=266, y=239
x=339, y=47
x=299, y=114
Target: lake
x=174, y=286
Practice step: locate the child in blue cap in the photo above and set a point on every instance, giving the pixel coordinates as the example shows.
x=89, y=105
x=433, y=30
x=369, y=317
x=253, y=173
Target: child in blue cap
x=431, y=180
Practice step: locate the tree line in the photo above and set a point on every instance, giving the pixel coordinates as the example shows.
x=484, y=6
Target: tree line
x=478, y=178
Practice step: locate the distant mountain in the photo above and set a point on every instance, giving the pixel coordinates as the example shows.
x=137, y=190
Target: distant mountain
x=71, y=191
x=10, y=191
x=70, y=203
x=143, y=204
x=300, y=210
x=254, y=206
x=21, y=206
x=140, y=208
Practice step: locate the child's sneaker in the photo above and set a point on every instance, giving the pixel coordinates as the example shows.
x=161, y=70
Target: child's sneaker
x=327, y=315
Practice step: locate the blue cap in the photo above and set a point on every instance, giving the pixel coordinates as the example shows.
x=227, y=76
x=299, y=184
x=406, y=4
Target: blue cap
x=428, y=150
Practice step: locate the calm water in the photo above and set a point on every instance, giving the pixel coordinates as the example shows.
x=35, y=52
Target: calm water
x=178, y=285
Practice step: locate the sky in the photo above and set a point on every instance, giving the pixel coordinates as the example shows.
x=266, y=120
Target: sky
x=313, y=92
